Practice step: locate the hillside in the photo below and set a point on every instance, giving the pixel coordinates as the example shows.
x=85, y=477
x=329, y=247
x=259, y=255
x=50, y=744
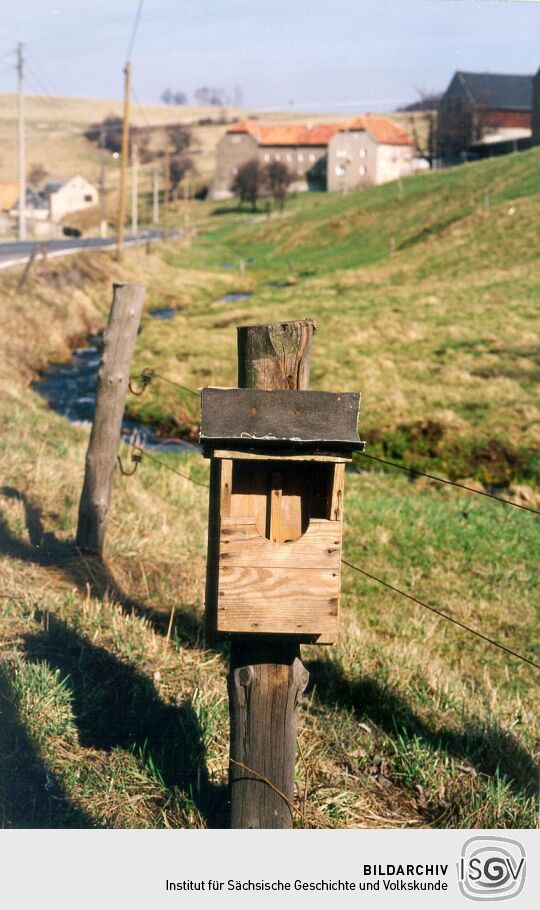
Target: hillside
x=425, y=298
x=56, y=124
x=114, y=699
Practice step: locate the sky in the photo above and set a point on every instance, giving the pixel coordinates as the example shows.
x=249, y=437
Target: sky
x=305, y=55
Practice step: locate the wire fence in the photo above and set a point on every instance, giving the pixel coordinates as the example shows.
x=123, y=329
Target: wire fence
x=451, y=483
x=148, y=376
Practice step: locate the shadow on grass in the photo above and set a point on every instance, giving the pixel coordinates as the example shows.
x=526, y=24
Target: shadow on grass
x=116, y=706
x=87, y=572
x=484, y=745
x=30, y=796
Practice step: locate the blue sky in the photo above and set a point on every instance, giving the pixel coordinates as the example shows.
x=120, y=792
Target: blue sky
x=342, y=55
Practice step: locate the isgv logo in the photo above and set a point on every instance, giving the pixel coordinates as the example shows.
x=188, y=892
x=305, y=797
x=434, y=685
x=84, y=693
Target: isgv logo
x=491, y=868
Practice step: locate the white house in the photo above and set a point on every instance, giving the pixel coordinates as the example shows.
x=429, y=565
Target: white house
x=72, y=196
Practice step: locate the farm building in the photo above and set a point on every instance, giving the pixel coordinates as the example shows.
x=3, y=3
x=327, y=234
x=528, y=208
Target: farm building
x=72, y=195
x=36, y=209
x=303, y=148
x=482, y=114
x=371, y=150
x=317, y=154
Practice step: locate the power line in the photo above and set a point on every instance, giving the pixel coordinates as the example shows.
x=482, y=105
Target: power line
x=134, y=31
x=452, y=483
x=456, y=622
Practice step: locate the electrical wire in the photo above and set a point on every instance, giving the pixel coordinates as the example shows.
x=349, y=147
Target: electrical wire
x=134, y=31
x=440, y=613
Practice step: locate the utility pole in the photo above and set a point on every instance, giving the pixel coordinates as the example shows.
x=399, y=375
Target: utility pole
x=135, y=189
x=21, y=143
x=103, y=181
x=167, y=189
x=187, y=213
x=124, y=155
x=155, y=196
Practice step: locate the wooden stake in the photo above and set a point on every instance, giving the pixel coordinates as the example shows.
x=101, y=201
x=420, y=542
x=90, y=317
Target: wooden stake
x=113, y=377
x=266, y=676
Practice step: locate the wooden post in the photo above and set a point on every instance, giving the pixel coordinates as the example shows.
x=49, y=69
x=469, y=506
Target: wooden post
x=113, y=377
x=28, y=268
x=266, y=676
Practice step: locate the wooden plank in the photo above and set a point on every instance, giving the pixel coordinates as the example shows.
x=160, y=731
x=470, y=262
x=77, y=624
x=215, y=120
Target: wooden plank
x=213, y=549
x=241, y=544
x=336, y=507
x=226, y=486
x=275, y=529
x=250, y=455
x=266, y=418
x=263, y=600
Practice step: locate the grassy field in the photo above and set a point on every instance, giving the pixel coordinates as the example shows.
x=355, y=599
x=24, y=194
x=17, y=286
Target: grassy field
x=113, y=705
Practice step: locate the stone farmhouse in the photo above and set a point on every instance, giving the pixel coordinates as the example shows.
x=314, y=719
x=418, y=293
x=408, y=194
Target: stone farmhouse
x=370, y=150
x=320, y=156
x=302, y=148
x=485, y=114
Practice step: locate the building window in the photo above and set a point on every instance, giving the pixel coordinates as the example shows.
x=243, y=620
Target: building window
x=278, y=156
x=289, y=156
x=236, y=139
x=300, y=156
x=341, y=153
x=88, y=198
x=362, y=170
x=267, y=157
x=235, y=171
x=340, y=170
x=311, y=156
x=363, y=153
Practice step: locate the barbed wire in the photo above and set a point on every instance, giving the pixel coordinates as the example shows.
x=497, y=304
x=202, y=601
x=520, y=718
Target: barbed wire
x=452, y=483
x=138, y=452
x=441, y=613
x=148, y=375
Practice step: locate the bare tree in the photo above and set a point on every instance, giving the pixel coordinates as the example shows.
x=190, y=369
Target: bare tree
x=179, y=166
x=36, y=174
x=277, y=179
x=107, y=134
x=248, y=183
x=210, y=95
x=170, y=97
x=180, y=137
x=422, y=123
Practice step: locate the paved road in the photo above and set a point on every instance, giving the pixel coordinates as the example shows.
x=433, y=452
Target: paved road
x=18, y=252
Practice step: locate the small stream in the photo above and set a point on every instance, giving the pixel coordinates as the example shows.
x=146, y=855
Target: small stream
x=70, y=388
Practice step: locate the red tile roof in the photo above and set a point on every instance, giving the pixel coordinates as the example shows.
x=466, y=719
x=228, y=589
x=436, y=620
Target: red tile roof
x=287, y=133
x=382, y=129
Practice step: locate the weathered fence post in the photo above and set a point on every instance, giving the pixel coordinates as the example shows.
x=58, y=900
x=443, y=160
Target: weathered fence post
x=113, y=378
x=266, y=676
x=278, y=453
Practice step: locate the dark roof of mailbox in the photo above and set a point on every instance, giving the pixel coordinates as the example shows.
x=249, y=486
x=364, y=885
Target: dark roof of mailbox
x=252, y=417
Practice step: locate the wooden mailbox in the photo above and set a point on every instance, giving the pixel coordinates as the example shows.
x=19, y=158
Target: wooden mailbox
x=276, y=509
